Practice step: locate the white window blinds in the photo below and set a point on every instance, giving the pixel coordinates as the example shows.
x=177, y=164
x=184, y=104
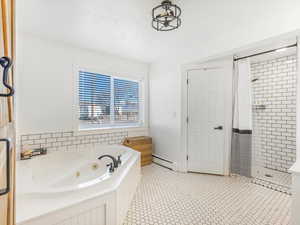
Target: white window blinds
x=107, y=101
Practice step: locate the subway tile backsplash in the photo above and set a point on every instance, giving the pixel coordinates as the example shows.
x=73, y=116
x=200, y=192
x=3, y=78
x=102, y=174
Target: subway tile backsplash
x=274, y=128
x=67, y=140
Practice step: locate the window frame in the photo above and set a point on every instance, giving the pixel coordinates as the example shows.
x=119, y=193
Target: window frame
x=143, y=100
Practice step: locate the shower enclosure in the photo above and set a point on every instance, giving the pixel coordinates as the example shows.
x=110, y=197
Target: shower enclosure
x=264, y=121
x=274, y=120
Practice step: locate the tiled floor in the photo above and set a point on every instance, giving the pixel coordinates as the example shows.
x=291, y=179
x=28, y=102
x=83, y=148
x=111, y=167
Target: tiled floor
x=273, y=186
x=165, y=197
x=280, y=178
x=276, y=180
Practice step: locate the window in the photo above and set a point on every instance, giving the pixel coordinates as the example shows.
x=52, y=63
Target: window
x=107, y=101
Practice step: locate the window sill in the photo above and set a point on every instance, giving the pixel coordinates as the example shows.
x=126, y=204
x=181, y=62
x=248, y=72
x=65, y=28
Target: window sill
x=109, y=129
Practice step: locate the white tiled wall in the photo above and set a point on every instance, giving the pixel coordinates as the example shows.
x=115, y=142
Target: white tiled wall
x=274, y=127
x=67, y=140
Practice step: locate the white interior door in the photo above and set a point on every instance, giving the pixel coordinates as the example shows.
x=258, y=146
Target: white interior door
x=206, y=115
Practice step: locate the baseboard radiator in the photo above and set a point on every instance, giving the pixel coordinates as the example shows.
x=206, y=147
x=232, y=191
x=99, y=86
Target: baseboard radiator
x=163, y=162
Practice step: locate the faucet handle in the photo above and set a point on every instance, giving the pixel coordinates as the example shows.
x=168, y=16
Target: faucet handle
x=119, y=160
x=111, y=167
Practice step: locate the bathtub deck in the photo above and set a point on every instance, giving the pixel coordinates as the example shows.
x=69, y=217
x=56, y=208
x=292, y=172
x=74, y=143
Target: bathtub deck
x=168, y=198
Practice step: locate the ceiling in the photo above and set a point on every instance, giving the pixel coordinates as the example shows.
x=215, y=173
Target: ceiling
x=123, y=27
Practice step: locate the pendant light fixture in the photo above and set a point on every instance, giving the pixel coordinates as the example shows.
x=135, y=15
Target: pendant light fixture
x=166, y=16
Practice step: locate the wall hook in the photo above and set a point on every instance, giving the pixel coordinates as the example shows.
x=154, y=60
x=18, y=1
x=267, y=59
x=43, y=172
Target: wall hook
x=6, y=63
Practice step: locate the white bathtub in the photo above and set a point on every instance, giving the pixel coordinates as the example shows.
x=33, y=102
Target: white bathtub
x=74, y=187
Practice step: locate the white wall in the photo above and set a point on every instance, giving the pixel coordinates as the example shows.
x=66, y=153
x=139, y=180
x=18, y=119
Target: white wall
x=165, y=109
x=45, y=81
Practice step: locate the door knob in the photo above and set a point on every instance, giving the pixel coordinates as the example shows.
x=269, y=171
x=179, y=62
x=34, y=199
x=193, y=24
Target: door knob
x=219, y=128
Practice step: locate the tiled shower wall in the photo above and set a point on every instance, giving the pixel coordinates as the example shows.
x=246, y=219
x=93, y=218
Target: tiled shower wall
x=274, y=112
x=67, y=140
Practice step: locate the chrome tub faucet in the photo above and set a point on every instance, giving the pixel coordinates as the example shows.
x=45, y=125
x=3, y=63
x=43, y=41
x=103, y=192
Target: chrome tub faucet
x=115, y=164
